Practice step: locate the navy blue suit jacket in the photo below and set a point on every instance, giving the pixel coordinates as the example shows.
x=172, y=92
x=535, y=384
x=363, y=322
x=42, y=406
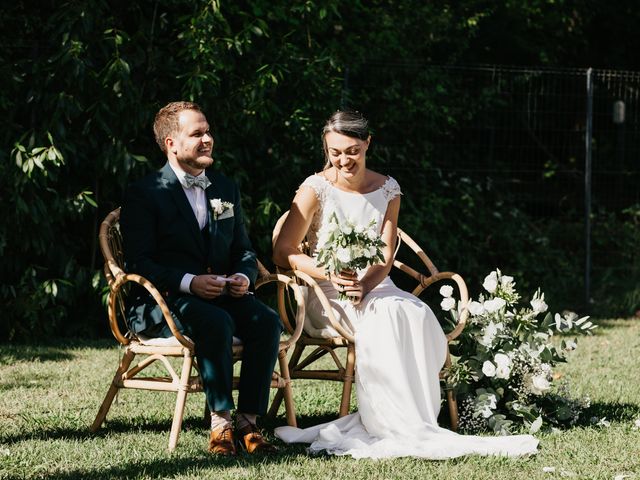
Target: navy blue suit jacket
x=163, y=242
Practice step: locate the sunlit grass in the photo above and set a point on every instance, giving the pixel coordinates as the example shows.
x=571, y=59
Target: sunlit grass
x=49, y=396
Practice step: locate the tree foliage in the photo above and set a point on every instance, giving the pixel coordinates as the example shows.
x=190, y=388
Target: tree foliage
x=81, y=80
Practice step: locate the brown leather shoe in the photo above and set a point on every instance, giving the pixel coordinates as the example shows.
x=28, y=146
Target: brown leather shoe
x=253, y=442
x=221, y=441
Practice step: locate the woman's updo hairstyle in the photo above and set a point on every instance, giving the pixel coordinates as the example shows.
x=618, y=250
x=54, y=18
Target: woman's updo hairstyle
x=347, y=122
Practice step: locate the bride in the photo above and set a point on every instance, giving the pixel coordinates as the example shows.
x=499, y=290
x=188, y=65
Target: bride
x=400, y=347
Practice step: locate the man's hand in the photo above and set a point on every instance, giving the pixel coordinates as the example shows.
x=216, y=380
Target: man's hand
x=238, y=286
x=207, y=286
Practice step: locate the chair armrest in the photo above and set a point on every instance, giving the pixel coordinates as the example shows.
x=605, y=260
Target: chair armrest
x=285, y=281
x=463, y=314
x=326, y=305
x=153, y=291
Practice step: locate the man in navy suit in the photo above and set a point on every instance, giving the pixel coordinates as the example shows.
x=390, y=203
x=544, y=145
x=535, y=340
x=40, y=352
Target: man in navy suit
x=183, y=230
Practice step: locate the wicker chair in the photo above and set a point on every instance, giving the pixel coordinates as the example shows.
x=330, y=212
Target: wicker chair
x=304, y=368
x=158, y=351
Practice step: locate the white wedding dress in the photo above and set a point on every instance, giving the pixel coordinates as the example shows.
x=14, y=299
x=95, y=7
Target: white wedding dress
x=400, y=350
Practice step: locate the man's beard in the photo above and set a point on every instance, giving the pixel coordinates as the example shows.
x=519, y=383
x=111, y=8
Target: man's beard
x=197, y=163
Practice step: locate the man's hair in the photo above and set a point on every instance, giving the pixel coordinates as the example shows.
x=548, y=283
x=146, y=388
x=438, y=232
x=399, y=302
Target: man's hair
x=166, y=121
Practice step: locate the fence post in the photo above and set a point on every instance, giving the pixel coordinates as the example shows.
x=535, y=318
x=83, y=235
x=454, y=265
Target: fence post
x=587, y=189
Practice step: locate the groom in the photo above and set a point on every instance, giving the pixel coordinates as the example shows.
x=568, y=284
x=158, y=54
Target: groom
x=183, y=230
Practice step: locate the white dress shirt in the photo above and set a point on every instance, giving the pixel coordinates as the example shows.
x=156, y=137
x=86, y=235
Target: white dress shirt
x=198, y=201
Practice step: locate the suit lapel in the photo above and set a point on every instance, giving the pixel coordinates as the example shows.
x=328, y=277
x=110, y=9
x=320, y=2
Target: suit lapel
x=173, y=185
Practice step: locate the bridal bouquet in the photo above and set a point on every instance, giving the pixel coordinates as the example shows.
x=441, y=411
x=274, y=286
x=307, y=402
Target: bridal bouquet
x=348, y=247
x=505, y=359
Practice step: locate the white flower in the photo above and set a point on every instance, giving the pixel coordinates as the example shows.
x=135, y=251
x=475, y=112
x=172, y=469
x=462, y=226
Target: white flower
x=538, y=304
x=636, y=424
x=476, y=308
x=359, y=229
x=539, y=385
x=373, y=251
x=216, y=205
x=344, y=254
x=490, y=333
x=347, y=229
x=494, y=305
x=490, y=283
x=603, y=422
x=503, y=365
x=506, y=281
x=371, y=234
x=535, y=426
x=548, y=469
x=503, y=371
x=488, y=368
x=448, y=303
x=446, y=290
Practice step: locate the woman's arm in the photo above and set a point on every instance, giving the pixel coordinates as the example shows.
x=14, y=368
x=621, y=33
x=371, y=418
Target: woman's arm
x=286, y=251
x=376, y=273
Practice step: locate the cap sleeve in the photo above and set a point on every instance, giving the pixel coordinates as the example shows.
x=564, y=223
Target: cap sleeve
x=391, y=189
x=318, y=184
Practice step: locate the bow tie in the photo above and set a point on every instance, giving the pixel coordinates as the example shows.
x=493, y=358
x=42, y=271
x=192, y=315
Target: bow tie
x=201, y=181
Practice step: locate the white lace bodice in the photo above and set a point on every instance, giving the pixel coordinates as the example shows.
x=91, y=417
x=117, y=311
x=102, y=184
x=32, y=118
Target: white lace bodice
x=359, y=208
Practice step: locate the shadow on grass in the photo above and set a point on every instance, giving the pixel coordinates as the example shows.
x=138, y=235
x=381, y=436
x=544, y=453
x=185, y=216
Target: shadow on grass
x=55, y=350
x=613, y=412
x=10, y=354
x=144, y=425
x=171, y=466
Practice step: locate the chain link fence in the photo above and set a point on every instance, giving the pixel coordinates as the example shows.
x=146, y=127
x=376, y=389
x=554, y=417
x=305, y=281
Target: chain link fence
x=562, y=145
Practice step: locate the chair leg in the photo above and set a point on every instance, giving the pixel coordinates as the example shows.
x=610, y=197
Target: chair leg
x=178, y=413
x=453, y=409
x=127, y=358
x=287, y=391
x=277, y=399
x=348, y=380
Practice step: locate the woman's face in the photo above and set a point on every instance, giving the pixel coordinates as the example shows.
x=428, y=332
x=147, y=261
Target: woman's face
x=346, y=154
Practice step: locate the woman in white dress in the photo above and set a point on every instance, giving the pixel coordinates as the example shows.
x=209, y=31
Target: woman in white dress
x=400, y=346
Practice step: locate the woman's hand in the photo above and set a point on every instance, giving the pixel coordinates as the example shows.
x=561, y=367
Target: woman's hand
x=347, y=282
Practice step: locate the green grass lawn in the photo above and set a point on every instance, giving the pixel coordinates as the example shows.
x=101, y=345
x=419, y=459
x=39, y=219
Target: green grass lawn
x=50, y=394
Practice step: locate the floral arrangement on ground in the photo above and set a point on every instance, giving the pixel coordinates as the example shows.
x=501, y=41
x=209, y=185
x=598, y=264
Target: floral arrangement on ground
x=504, y=359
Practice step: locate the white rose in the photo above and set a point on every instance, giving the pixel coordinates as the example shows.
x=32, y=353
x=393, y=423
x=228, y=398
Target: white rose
x=494, y=305
x=372, y=252
x=359, y=229
x=347, y=229
x=216, y=205
x=446, y=290
x=502, y=359
x=488, y=368
x=539, y=385
x=476, y=308
x=490, y=282
x=503, y=371
x=372, y=234
x=448, y=303
x=367, y=252
x=344, y=255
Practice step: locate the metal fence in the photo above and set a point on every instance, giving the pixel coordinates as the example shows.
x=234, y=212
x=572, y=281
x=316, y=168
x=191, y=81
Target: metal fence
x=562, y=143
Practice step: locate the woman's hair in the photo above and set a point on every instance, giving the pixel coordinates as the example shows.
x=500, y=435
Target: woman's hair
x=349, y=123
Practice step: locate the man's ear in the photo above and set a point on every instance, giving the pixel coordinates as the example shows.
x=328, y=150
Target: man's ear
x=169, y=144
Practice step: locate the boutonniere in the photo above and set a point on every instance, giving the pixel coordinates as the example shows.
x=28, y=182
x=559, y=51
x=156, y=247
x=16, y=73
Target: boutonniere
x=221, y=209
